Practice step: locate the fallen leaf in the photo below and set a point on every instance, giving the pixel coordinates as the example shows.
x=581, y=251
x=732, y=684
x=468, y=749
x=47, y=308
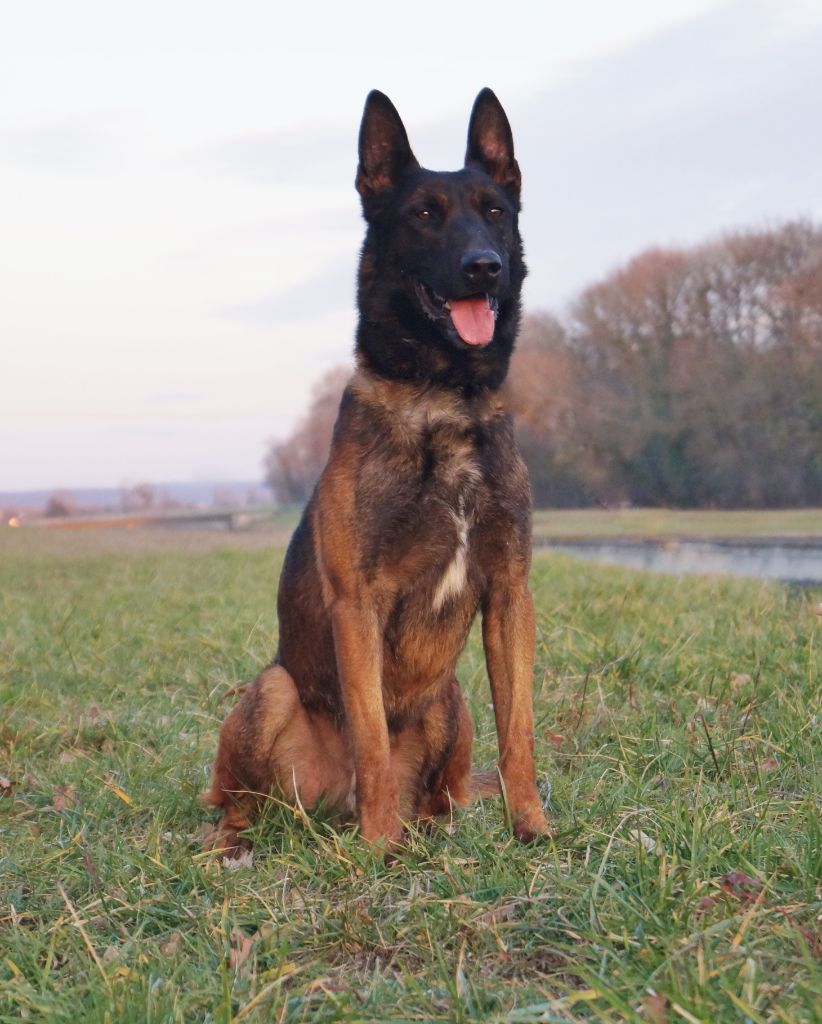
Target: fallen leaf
x=63, y=797
x=119, y=793
x=242, y=946
x=6, y=786
x=705, y=904
x=655, y=1008
x=554, y=738
x=504, y=912
x=295, y=901
x=649, y=844
x=328, y=985
x=737, y=883
x=171, y=946
x=769, y=764
x=738, y=680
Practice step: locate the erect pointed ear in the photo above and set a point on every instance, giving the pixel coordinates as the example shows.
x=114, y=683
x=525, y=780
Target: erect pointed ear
x=385, y=154
x=490, y=143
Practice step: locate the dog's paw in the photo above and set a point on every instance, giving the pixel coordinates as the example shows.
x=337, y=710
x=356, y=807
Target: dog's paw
x=236, y=850
x=386, y=838
x=530, y=826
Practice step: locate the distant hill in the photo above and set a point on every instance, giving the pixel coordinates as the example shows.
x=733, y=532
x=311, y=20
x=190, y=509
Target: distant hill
x=203, y=494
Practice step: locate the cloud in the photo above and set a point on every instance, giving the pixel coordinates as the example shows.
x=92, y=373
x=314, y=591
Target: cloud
x=331, y=290
x=703, y=127
x=315, y=154
x=343, y=221
x=706, y=126
x=62, y=146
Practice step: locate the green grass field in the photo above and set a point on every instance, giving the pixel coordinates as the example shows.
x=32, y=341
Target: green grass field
x=679, y=751
x=656, y=522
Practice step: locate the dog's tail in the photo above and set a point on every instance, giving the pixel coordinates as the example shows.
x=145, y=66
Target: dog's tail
x=484, y=783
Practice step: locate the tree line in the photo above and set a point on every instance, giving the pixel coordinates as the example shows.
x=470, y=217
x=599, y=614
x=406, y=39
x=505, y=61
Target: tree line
x=687, y=378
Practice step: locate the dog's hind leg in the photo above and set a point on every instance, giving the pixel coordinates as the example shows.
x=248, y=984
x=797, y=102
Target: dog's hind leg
x=447, y=776
x=232, y=788
x=270, y=741
x=452, y=783
x=450, y=779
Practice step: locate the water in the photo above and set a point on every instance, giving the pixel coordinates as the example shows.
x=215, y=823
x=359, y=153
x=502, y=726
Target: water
x=792, y=561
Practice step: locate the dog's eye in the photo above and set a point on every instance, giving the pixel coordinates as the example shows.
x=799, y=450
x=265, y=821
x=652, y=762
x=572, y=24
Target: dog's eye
x=495, y=211
x=423, y=215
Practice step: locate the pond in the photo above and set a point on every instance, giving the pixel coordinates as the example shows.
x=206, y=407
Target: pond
x=790, y=560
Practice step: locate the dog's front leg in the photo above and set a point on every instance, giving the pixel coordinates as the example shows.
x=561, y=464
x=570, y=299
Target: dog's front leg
x=358, y=647
x=508, y=633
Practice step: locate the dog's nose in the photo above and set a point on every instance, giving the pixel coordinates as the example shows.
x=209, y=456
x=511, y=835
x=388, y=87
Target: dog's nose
x=482, y=267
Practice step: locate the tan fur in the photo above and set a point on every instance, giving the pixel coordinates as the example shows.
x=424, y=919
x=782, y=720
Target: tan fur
x=420, y=520
x=308, y=760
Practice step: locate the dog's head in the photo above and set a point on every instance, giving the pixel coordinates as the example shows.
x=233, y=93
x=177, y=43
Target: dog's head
x=442, y=264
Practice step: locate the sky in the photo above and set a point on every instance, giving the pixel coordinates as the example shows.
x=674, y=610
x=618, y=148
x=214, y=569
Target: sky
x=179, y=229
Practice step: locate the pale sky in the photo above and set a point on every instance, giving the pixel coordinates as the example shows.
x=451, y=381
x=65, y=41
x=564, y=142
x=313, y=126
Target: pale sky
x=179, y=228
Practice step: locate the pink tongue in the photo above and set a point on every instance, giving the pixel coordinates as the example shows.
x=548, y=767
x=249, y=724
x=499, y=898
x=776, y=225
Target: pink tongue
x=473, y=319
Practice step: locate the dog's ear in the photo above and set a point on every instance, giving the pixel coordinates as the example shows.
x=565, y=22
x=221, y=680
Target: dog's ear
x=385, y=154
x=491, y=144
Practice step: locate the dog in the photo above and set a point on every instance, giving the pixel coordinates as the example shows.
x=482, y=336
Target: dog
x=420, y=520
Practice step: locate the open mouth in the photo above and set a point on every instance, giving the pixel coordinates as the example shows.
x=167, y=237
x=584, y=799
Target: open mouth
x=472, y=318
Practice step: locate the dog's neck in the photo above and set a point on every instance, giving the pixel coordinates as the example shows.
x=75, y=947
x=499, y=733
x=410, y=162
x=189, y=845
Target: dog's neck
x=423, y=407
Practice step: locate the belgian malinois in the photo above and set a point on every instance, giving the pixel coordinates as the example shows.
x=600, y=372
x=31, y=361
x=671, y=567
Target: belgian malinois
x=421, y=518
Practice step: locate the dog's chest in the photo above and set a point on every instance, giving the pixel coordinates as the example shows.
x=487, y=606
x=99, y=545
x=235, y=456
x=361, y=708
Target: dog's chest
x=423, y=493
x=455, y=576
x=452, y=492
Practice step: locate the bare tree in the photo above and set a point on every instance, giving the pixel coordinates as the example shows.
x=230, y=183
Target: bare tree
x=138, y=497
x=686, y=378
x=293, y=466
x=60, y=505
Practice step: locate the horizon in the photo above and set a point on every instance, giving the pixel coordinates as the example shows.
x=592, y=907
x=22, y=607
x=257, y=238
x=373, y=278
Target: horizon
x=165, y=488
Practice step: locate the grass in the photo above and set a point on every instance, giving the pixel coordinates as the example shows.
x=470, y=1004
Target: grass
x=678, y=735
x=653, y=522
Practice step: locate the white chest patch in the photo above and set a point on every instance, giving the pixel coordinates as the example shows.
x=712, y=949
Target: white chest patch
x=454, y=577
